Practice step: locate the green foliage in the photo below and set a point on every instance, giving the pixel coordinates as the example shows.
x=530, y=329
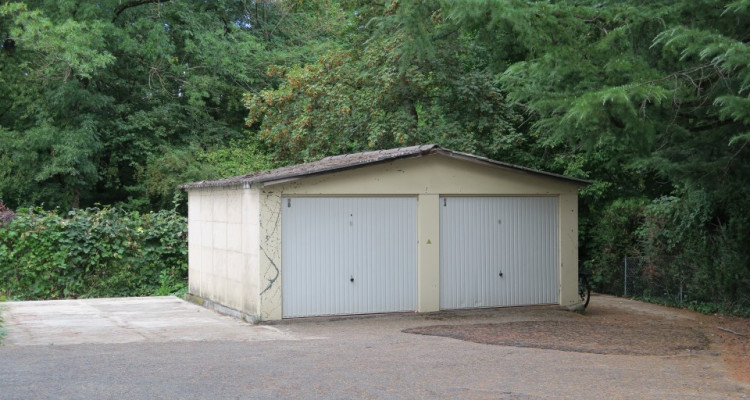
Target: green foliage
x=2, y=329
x=240, y=157
x=96, y=252
x=49, y=132
x=674, y=243
x=690, y=255
x=378, y=93
x=650, y=100
x=102, y=95
x=175, y=166
x=117, y=102
x=700, y=306
x=327, y=108
x=611, y=239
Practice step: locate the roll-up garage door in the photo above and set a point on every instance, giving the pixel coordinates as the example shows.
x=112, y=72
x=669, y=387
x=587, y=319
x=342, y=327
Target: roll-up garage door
x=348, y=255
x=498, y=251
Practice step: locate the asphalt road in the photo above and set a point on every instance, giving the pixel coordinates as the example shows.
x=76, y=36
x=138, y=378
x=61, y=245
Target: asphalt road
x=355, y=358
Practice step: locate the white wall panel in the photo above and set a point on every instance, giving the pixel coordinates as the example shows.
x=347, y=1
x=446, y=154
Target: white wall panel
x=328, y=242
x=498, y=251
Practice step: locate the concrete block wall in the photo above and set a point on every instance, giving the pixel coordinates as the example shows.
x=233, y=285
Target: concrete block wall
x=223, y=246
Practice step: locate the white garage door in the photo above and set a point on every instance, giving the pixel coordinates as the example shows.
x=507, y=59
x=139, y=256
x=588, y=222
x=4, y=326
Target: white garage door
x=498, y=251
x=348, y=255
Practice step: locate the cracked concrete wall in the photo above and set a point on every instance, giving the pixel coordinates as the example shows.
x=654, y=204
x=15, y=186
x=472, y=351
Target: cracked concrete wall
x=427, y=178
x=270, y=254
x=222, y=246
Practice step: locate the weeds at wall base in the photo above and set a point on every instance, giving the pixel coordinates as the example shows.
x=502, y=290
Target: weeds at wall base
x=707, y=308
x=2, y=325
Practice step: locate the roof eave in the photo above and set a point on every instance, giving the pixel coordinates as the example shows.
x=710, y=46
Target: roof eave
x=295, y=176
x=511, y=167
x=270, y=178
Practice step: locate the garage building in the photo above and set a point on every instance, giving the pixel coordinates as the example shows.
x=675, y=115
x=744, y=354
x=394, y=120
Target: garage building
x=419, y=228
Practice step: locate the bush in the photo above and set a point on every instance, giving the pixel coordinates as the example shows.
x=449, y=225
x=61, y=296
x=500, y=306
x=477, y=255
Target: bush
x=2, y=328
x=611, y=239
x=96, y=252
x=696, y=256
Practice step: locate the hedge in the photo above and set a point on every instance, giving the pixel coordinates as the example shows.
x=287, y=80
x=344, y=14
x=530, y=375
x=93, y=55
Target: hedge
x=95, y=252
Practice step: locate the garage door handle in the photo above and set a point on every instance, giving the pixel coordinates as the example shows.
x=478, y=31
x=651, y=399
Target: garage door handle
x=351, y=279
x=501, y=274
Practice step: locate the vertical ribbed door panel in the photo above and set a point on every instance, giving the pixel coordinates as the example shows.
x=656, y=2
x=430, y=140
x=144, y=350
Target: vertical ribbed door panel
x=498, y=251
x=348, y=255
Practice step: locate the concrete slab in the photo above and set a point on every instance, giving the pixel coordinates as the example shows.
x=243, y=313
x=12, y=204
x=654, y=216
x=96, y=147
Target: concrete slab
x=125, y=320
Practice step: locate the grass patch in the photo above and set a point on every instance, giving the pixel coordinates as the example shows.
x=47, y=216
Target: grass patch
x=2, y=328
x=703, y=307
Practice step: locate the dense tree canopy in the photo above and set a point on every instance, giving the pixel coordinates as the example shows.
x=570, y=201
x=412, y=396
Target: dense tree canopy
x=116, y=101
x=100, y=97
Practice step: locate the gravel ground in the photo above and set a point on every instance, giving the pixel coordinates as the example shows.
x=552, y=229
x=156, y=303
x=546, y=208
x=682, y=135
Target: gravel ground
x=579, y=336
x=734, y=336
x=619, y=326
x=372, y=357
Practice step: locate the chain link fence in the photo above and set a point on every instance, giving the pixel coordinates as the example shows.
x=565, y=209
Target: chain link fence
x=633, y=282
x=641, y=278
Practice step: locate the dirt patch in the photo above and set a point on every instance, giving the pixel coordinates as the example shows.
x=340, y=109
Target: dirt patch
x=616, y=326
x=580, y=336
x=734, y=335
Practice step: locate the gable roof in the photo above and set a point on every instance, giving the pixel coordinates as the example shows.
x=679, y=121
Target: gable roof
x=356, y=160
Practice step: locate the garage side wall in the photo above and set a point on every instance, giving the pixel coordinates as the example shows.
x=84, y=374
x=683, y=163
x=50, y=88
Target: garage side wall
x=427, y=178
x=269, y=306
x=223, y=263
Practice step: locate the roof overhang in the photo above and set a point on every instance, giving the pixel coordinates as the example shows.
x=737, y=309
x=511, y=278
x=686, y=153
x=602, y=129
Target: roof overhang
x=358, y=160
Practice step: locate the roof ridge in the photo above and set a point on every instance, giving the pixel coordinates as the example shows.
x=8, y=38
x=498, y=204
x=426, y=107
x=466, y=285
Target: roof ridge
x=356, y=160
x=378, y=151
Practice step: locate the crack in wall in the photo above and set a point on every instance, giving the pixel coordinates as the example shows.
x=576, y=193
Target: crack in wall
x=270, y=247
x=273, y=280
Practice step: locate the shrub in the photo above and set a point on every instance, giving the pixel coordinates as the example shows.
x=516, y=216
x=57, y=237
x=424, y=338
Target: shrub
x=96, y=252
x=611, y=239
x=695, y=255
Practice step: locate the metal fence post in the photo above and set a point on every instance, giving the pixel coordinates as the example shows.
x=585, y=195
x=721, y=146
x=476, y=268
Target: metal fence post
x=625, y=289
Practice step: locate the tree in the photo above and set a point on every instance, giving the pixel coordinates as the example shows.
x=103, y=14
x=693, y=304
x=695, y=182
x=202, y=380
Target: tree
x=113, y=101
x=103, y=94
x=655, y=94
x=373, y=92
x=48, y=126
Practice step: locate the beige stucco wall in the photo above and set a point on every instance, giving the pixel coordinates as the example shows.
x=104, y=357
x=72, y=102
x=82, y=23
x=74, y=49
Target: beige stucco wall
x=427, y=178
x=223, y=265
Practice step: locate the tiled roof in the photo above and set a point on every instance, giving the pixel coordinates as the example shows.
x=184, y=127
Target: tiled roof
x=349, y=161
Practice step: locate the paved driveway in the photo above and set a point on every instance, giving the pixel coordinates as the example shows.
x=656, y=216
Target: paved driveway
x=344, y=359
x=124, y=320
